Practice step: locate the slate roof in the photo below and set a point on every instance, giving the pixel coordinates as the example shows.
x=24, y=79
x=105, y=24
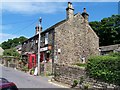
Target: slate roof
x=18, y=47
x=48, y=29
x=118, y=50
x=110, y=47
x=55, y=25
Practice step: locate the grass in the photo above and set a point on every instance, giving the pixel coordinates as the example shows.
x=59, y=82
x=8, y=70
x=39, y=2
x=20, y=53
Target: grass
x=81, y=64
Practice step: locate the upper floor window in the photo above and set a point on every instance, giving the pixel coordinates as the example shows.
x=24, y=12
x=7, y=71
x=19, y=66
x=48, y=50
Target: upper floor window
x=46, y=38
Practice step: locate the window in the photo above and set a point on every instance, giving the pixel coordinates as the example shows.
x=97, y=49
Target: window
x=32, y=59
x=46, y=38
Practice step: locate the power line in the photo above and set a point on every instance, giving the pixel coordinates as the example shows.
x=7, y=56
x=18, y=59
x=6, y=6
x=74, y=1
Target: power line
x=21, y=29
x=24, y=28
x=19, y=22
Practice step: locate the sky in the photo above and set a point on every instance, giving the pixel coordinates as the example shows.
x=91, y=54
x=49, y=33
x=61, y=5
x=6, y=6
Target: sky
x=19, y=18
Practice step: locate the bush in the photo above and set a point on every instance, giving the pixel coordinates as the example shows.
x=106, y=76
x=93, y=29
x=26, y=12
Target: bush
x=105, y=68
x=115, y=54
x=75, y=82
x=81, y=80
x=11, y=52
x=25, y=68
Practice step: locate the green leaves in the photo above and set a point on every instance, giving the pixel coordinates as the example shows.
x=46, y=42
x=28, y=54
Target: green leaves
x=105, y=68
x=108, y=30
x=13, y=42
x=11, y=52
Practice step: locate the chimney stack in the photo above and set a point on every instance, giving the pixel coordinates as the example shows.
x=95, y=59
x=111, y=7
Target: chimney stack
x=70, y=11
x=37, y=29
x=85, y=15
x=84, y=10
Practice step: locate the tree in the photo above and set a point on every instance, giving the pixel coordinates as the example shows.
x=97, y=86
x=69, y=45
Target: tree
x=11, y=52
x=13, y=42
x=108, y=30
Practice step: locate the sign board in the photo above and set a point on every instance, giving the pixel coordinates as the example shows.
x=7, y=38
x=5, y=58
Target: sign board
x=43, y=49
x=59, y=50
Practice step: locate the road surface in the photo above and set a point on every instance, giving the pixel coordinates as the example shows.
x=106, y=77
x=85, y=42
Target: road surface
x=24, y=80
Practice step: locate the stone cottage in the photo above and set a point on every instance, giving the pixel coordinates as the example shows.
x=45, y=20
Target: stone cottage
x=104, y=50
x=75, y=40
x=67, y=42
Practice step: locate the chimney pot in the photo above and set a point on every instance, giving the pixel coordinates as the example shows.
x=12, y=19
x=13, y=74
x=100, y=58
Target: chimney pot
x=84, y=10
x=37, y=29
x=70, y=11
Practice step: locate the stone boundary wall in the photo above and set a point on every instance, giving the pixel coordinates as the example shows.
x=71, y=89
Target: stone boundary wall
x=67, y=74
x=10, y=62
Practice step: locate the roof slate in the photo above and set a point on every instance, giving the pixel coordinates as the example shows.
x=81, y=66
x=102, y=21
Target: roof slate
x=110, y=47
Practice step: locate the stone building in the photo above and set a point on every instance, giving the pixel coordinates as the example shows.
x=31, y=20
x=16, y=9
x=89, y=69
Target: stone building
x=104, y=50
x=1, y=51
x=18, y=48
x=67, y=42
x=75, y=38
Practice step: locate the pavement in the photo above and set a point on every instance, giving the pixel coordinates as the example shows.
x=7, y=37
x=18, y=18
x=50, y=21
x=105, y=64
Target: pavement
x=52, y=81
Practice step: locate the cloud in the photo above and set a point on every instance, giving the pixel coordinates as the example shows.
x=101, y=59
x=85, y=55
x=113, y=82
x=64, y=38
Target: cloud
x=6, y=36
x=60, y=0
x=39, y=6
x=32, y=7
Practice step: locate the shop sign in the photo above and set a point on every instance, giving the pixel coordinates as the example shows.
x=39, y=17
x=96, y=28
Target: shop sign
x=43, y=49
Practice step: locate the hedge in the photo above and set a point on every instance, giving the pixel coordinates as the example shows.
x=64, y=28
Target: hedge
x=105, y=68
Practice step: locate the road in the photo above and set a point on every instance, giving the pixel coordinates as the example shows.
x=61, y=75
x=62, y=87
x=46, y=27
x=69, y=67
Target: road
x=24, y=80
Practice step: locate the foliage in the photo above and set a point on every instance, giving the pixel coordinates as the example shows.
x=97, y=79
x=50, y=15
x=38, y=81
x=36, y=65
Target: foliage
x=25, y=68
x=105, y=68
x=32, y=71
x=81, y=64
x=86, y=86
x=1, y=56
x=75, y=82
x=81, y=80
x=49, y=74
x=11, y=52
x=116, y=54
x=108, y=30
x=12, y=42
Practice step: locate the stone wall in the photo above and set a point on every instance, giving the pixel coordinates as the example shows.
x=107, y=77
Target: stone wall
x=67, y=74
x=64, y=41
x=86, y=42
x=10, y=62
x=76, y=40
x=30, y=45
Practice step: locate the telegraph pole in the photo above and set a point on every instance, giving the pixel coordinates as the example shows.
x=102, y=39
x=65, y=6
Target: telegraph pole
x=39, y=41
